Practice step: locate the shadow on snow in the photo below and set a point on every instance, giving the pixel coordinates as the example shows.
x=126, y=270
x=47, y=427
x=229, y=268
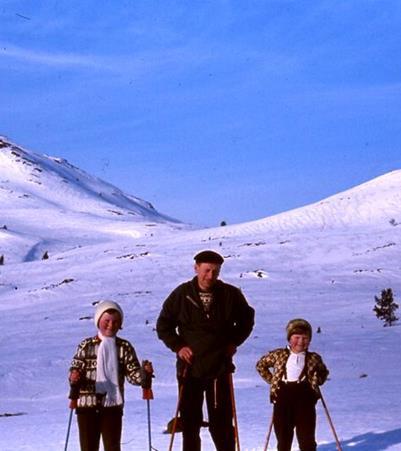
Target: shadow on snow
x=371, y=441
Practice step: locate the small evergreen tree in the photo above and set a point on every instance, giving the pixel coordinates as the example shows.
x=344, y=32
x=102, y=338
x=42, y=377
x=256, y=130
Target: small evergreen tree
x=385, y=307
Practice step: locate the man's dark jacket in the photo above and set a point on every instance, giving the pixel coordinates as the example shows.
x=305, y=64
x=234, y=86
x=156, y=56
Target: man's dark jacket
x=183, y=322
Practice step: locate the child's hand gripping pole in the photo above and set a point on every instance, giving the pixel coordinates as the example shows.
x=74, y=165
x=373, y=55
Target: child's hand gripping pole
x=74, y=388
x=146, y=378
x=74, y=395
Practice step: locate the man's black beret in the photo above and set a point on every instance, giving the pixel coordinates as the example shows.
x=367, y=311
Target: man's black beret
x=209, y=257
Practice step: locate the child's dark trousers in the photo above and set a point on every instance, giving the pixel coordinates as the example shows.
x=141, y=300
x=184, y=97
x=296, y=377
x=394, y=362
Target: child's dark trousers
x=105, y=422
x=295, y=409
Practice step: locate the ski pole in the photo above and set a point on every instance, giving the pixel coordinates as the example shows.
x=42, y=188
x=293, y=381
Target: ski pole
x=269, y=434
x=236, y=434
x=177, y=410
x=149, y=426
x=68, y=430
x=73, y=396
x=330, y=422
x=147, y=394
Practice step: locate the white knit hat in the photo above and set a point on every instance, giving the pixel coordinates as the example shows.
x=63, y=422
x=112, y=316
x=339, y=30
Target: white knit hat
x=103, y=306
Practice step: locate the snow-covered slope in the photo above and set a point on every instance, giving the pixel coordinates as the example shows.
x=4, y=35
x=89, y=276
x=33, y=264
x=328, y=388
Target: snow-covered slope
x=45, y=203
x=39, y=181
x=324, y=262
x=376, y=202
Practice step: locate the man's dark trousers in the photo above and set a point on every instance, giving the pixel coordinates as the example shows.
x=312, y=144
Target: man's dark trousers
x=219, y=407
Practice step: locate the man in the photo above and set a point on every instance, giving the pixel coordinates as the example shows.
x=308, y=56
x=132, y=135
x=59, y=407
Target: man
x=204, y=320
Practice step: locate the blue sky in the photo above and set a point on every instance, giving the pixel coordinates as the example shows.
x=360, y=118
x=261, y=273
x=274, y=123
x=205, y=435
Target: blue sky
x=211, y=110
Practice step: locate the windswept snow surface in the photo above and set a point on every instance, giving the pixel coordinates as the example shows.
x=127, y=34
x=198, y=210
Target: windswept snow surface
x=324, y=262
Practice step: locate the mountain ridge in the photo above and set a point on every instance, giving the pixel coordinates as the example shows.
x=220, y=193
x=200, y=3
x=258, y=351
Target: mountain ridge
x=34, y=182
x=27, y=172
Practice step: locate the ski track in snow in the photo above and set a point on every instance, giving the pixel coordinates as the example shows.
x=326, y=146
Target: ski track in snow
x=324, y=262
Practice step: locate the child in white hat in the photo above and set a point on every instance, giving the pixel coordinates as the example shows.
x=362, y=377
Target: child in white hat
x=97, y=373
x=294, y=374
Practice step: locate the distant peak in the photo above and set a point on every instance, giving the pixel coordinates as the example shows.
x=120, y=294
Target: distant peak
x=37, y=181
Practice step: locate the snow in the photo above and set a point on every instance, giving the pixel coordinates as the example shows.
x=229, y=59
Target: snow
x=324, y=262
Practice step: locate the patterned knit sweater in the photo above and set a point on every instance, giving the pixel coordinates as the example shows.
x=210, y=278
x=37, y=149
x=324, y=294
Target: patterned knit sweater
x=315, y=370
x=85, y=360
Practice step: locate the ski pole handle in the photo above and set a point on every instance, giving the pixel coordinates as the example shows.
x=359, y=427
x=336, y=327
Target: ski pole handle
x=146, y=379
x=147, y=393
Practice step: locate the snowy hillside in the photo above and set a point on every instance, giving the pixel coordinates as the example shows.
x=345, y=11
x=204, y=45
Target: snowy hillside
x=324, y=262
x=34, y=188
x=374, y=203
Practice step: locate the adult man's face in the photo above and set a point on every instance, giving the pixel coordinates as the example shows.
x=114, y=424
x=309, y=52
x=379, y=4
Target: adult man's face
x=207, y=274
